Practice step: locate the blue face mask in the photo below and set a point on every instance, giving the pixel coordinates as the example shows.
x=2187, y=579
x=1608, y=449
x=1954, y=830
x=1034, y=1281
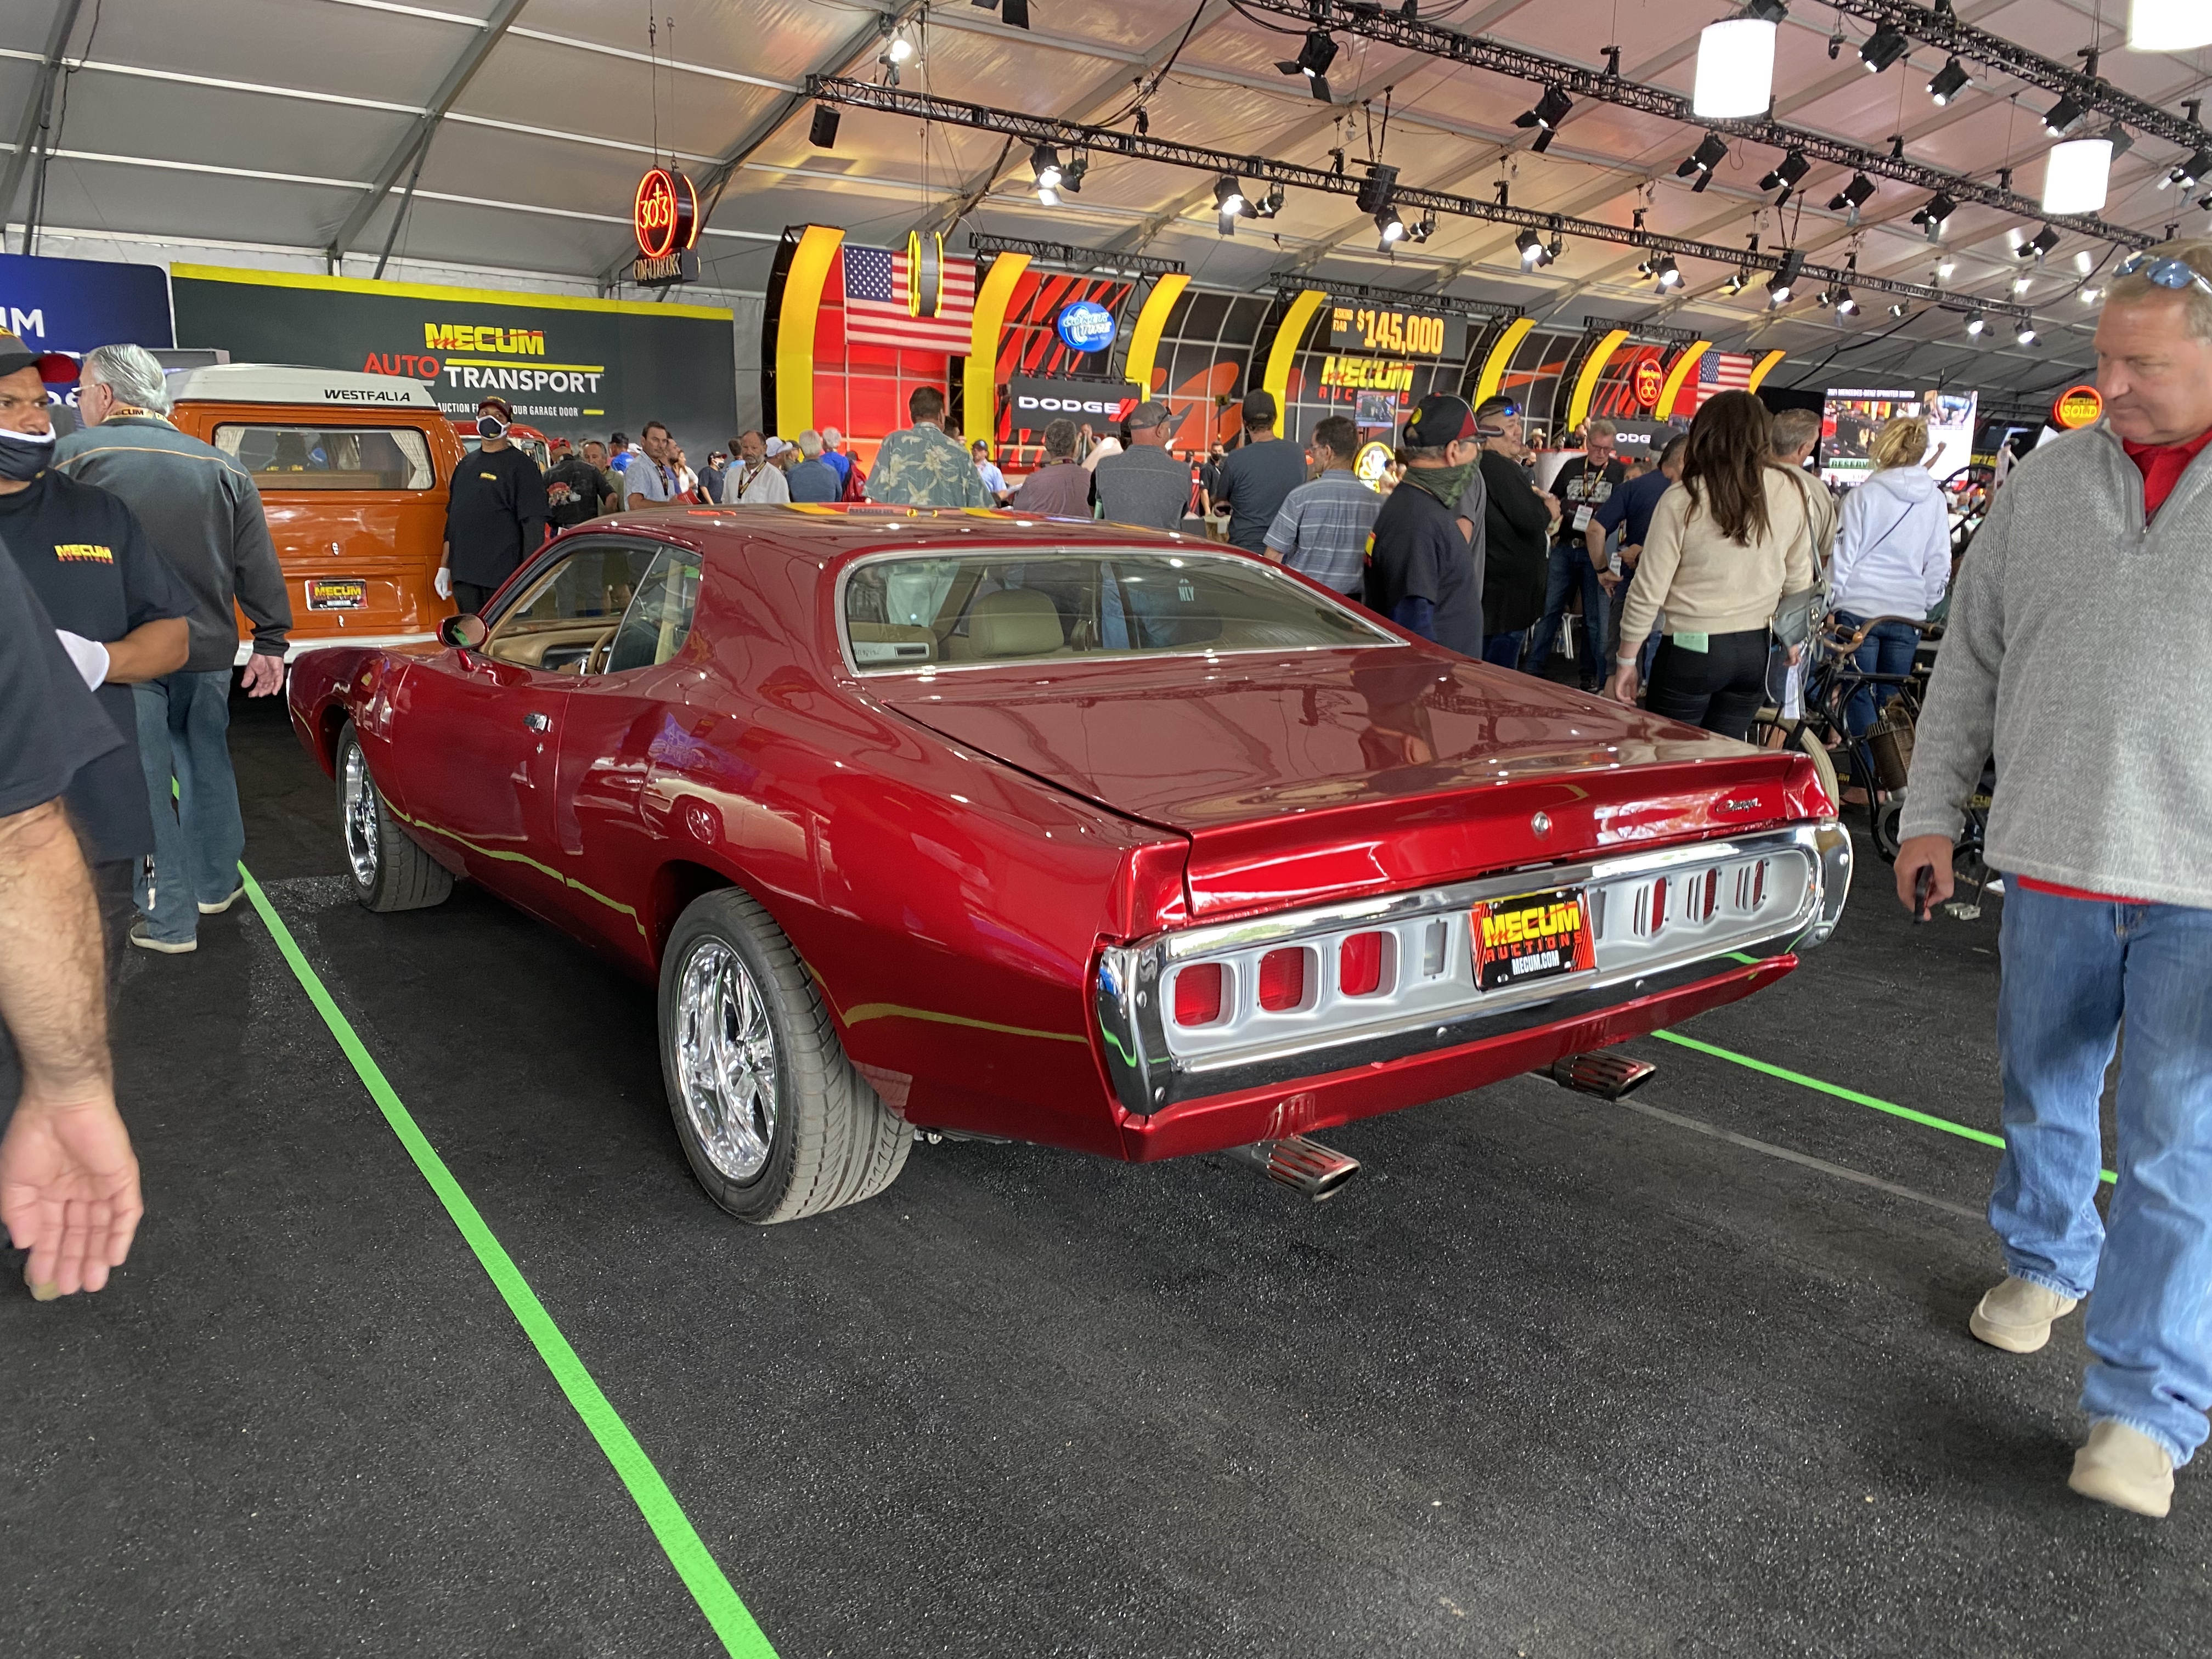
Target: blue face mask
x=24, y=455
x=490, y=426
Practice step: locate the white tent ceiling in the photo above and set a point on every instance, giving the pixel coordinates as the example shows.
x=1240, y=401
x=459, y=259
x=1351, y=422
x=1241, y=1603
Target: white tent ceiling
x=266, y=122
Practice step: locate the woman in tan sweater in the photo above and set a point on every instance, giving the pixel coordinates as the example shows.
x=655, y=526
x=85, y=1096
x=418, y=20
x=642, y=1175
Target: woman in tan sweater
x=1740, y=531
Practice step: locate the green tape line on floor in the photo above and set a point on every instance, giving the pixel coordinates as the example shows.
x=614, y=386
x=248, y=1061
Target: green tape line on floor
x=701, y=1576
x=1852, y=1095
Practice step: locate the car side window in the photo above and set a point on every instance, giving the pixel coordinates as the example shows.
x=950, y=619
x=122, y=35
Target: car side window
x=658, y=619
x=566, y=620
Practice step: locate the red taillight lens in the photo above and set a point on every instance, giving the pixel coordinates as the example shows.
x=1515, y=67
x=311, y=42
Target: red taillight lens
x=1658, y=904
x=1282, y=980
x=1360, y=964
x=1198, y=994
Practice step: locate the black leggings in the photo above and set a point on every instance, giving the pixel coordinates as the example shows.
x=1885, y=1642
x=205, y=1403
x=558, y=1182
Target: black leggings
x=1720, y=688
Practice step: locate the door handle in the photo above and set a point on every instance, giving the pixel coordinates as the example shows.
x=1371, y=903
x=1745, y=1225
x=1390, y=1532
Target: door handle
x=538, y=722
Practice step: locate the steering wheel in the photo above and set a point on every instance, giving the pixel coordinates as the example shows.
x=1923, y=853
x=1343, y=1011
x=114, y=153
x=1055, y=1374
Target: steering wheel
x=602, y=648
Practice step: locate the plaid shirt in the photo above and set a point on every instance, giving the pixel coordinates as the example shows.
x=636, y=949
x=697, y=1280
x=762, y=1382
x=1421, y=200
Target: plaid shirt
x=1322, y=529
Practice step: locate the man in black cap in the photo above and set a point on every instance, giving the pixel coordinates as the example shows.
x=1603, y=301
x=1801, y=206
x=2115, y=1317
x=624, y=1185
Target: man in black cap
x=1421, y=565
x=1144, y=484
x=120, y=612
x=496, y=516
x=1253, y=480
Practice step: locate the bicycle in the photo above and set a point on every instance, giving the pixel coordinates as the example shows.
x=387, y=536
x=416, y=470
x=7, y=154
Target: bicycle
x=1875, y=759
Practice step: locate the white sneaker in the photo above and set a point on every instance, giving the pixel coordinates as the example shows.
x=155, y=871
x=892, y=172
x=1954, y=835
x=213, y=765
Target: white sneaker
x=2125, y=1467
x=146, y=941
x=223, y=904
x=2016, y=1315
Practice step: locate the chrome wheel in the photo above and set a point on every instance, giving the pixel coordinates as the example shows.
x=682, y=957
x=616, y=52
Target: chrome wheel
x=726, y=1057
x=361, y=834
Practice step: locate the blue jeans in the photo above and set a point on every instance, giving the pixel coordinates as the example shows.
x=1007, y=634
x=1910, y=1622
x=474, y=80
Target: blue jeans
x=1887, y=650
x=2074, y=968
x=1504, y=649
x=1570, y=565
x=184, y=733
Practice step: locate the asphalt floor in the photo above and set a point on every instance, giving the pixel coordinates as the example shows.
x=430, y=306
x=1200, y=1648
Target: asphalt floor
x=1555, y=1376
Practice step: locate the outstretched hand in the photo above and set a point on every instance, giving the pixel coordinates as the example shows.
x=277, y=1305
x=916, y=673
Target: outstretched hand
x=265, y=673
x=69, y=1189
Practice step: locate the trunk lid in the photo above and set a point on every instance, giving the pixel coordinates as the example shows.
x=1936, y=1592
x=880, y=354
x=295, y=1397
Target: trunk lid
x=1300, y=777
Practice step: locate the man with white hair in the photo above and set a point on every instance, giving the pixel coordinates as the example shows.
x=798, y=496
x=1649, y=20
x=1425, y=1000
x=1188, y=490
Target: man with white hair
x=832, y=452
x=203, y=513
x=813, y=479
x=2085, y=594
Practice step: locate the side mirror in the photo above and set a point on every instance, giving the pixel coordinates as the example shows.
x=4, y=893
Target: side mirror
x=466, y=631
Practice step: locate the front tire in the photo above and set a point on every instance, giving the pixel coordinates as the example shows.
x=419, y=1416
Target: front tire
x=776, y=1121
x=389, y=871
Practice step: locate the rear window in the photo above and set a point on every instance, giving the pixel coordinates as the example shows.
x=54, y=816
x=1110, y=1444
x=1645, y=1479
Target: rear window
x=330, y=457
x=912, y=613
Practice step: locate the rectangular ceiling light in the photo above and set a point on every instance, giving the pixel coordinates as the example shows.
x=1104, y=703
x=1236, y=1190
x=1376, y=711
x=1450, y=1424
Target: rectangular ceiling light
x=2169, y=25
x=2077, y=175
x=1735, y=69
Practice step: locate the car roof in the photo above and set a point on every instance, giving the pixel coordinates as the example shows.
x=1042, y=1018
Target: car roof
x=827, y=534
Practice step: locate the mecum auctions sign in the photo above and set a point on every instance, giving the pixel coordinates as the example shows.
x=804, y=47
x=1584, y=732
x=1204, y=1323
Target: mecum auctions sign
x=572, y=367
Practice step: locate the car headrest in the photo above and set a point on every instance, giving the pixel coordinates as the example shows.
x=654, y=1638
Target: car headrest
x=1014, y=623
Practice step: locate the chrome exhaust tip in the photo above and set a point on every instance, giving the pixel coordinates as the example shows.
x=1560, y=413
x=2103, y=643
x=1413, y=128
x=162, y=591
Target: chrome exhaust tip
x=1608, y=1076
x=1301, y=1164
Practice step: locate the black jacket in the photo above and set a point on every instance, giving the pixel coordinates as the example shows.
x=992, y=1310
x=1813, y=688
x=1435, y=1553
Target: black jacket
x=1516, y=549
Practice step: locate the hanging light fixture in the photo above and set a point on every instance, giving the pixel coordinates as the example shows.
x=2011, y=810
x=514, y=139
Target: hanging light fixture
x=1664, y=270
x=1883, y=47
x=1940, y=207
x=1425, y=226
x=2187, y=175
x=1975, y=323
x=1950, y=80
x=2038, y=245
x=2169, y=25
x=2077, y=175
x=1781, y=285
x=1551, y=109
x=1313, y=60
x=1735, y=69
x=2026, y=335
x=1391, y=228
x=2063, y=117
x=1787, y=175
x=1044, y=165
x=1846, y=305
x=1701, y=161
x=1853, y=196
x=1533, y=254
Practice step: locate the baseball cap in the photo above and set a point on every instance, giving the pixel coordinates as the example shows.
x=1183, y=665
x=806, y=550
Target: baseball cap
x=1151, y=412
x=1259, y=408
x=1438, y=420
x=55, y=368
x=777, y=446
x=506, y=409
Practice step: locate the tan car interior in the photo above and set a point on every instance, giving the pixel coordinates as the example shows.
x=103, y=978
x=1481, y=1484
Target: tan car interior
x=566, y=623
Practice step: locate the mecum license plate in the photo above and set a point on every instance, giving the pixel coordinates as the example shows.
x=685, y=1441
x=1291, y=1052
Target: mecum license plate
x=337, y=593
x=1532, y=936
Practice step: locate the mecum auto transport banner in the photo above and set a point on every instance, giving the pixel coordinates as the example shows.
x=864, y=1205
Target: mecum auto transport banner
x=572, y=367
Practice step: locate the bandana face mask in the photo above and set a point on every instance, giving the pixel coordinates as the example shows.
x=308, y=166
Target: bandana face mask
x=490, y=426
x=24, y=455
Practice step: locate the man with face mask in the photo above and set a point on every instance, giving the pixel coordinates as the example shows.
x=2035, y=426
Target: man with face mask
x=119, y=612
x=495, y=518
x=1421, y=565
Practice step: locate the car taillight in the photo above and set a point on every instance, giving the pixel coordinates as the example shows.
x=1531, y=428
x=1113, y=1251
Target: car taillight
x=1198, y=994
x=1282, y=980
x=1360, y=964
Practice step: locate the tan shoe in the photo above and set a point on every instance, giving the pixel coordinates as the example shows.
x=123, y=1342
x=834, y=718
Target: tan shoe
x=2016, y=1315
x=2125, y=1467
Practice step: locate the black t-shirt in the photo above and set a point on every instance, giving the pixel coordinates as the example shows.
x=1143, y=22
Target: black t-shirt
x=50, y=727
x=86, y=556
x=1577, y=487
x=1516, y=562
x=585, y=485
x=1418, y=552
x=497, y=515
x=1254, y=479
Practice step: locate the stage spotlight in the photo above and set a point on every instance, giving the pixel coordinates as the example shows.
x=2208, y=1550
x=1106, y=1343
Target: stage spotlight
x=1071, y=176
x=1391, y=228
x=1784, y=282
x=1313, y=61
x=1014, y=12
x=2187, y=175
x=2038, y=245
x=1665, y=270
x=1270, y=204
x=1787, y=175
x=1532, y=250
x=1900, y=310
x=2065, y=115
x=823, y=134
x=1883, y=47
x=1551, y=109
x=1853, y=196
x=1846, y=305
x=1229, y=199
x=1736, y=283
x=1975, y=323
x=1940, y=207
x=1703, y=159
x=1950, y=80
x=2026, y=335
x=1766, y=11
x=1044, y=163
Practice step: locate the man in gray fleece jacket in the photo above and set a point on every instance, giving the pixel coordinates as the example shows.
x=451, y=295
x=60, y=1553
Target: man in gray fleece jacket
x=2088, y=583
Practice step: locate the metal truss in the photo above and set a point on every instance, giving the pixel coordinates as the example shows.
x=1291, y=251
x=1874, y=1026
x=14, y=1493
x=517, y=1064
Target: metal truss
x=1392, y=28
x=1107, y=141
x=1292, y=283
x=1079, y=259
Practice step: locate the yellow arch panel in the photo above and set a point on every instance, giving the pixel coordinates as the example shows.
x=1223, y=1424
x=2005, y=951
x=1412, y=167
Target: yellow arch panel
x=1501, y=356
x=980, y=378
x=1677, y=375
x=794, y=327
x=1765, y=368
x=1152, y=322
x=1586, y=383
x=1277, y=379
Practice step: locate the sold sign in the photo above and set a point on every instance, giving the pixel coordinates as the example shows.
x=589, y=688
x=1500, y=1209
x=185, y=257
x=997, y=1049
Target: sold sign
x=666, y=215
x=2077, y=406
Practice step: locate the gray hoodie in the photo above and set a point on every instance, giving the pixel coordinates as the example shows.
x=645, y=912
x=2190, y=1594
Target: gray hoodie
x=203, y=513
x=2075, y=656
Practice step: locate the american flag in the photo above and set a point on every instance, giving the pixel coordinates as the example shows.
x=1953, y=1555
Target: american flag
x=1717, y=371
x=875, y=303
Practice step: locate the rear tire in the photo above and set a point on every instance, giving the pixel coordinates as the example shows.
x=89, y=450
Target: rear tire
x=389, y=871
x=774, y=1120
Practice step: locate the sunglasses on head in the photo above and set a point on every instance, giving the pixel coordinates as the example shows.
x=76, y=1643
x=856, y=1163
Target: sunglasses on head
x=2174, y=274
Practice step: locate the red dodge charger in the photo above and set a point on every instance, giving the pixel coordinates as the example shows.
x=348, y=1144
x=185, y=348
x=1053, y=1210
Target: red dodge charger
x=1054, y=831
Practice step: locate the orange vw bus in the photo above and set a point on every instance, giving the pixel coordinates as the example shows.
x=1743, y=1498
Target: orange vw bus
x=353, y=471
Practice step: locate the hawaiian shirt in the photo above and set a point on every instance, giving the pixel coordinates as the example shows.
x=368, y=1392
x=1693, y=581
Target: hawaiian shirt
x=920, y=466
